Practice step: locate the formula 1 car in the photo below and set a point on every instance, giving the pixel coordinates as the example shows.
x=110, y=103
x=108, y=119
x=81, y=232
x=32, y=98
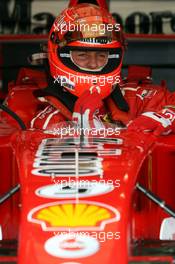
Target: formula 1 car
x=81, y=199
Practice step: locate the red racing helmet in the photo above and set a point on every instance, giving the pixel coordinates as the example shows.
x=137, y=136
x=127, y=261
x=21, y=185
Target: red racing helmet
x=101, y=3
x=85, y=27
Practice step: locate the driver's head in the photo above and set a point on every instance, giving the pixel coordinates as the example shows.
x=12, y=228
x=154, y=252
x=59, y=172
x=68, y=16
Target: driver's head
x=86, y=49
x=89, y=60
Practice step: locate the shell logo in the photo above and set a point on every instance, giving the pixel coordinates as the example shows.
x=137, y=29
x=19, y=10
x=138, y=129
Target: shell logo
x=71, y=215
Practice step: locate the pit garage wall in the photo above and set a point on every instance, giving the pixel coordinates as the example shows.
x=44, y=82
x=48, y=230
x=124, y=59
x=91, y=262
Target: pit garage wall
x=154, y=50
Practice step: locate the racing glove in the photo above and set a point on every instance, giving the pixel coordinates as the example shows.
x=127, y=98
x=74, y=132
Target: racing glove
x=86, y=110
x=161, y=123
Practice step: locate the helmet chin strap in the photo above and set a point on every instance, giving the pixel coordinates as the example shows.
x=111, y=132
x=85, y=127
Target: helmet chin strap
x=87, y=69
x=119, y=99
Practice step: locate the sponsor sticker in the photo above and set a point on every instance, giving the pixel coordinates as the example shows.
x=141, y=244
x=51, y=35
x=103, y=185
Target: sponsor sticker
x=68, y=246
x=74, y=190
x=70, y=215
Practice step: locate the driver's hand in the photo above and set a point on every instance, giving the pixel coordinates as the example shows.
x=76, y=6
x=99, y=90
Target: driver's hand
x=161, y=123
x=86, y=110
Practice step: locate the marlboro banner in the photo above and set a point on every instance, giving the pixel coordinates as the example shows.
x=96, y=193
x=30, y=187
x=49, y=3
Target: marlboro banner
x=36, y=17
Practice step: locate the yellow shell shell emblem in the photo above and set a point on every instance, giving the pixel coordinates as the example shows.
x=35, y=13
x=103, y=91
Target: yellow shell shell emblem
x=73, y=215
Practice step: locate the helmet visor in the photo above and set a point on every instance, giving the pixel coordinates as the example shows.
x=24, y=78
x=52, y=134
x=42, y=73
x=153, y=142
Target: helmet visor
x=91, y=60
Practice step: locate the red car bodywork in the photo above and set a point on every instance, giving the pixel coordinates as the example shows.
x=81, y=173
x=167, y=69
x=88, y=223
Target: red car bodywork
x=114, y=217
